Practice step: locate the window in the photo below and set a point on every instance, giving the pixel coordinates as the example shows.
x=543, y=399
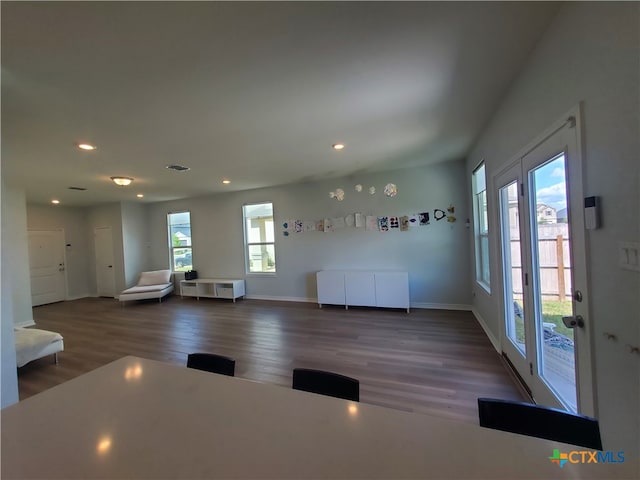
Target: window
x=481, y=226
x=260, y=249
x=180, y=241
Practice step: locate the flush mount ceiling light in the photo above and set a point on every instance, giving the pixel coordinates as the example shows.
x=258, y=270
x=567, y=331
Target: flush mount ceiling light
x=178, y=168
x=86, y=146
x=122, y=181
x=226, y=181
x=55, y=202
x=338, y=146
x=140, y=195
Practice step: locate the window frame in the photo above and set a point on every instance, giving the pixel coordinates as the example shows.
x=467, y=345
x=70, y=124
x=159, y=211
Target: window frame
x=173, y=248
x=248, y=244
x=480, y=204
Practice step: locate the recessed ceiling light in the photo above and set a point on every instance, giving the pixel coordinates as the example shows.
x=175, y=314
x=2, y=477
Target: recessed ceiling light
x=122, y=181
x=55, y=202
x=226, y=182
x=140, y=195
x=86, y=146
x=338, y=146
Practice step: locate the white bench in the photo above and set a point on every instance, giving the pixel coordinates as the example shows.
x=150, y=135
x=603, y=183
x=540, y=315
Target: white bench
x=153, y=284
x=32, y=344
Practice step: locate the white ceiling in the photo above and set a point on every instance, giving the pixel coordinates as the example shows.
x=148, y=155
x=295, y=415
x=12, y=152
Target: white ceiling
x=253, y=92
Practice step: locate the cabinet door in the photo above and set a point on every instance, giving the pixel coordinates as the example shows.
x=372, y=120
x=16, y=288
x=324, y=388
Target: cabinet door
x=238, y=288
x=330, y=287
x=360, y=288
x=392, y=289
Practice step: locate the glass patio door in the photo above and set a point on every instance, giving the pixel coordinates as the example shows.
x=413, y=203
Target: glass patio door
x=515, y=334
x=550, y=241
x=544, y=272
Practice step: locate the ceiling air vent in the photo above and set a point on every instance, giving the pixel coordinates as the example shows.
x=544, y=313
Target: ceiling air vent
x=178, y=168
x=81, y=189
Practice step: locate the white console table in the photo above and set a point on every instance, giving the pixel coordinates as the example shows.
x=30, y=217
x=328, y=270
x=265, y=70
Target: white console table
x=363, y=288
x=212, y=288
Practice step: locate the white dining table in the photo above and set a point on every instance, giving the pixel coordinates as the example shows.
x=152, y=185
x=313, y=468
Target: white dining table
x=137, y=419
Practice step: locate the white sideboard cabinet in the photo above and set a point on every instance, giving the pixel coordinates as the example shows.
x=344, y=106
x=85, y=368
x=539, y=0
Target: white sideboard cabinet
x=363, y=288
x=212, y=288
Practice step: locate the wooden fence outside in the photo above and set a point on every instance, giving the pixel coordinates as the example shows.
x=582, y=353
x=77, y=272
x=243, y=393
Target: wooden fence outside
x=555, y=262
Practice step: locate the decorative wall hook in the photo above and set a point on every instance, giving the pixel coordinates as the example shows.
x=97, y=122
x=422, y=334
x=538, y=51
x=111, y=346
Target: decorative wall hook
x=610, y=336
x=633, y=349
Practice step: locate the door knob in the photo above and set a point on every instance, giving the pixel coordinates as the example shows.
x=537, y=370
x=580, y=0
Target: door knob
x=110, y=266
x=573, y=322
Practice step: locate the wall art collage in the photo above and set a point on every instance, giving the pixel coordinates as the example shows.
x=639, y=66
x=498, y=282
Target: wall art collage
x=401, y=223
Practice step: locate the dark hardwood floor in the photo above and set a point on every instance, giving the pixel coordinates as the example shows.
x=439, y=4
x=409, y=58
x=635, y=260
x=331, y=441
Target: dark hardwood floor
x=430, y=361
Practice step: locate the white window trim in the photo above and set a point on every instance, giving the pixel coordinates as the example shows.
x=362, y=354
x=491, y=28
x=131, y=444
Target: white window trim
x=247, y=244
x=477, y=234
x=171, y=247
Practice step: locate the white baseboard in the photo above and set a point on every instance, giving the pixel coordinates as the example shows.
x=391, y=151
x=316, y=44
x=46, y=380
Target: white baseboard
x=494, y=341
x=441, y=306
x=77, y=297
x=282, y=299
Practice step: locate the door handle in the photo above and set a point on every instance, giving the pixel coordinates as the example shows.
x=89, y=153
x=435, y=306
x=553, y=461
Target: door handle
x=110, y=266
x=573, y=322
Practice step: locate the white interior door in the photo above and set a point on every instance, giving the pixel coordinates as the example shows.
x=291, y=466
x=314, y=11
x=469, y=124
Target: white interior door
x=47, y=266
x=105, y=274
x=544, y=274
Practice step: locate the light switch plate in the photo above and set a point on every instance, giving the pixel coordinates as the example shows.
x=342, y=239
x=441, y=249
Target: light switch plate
x=629, y=255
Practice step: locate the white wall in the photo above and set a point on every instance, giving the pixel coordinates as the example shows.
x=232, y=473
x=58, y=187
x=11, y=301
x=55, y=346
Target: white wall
x=436, y=256
x=14, y=231
x=590, y=54
x=9, y=378
x=73, y=220
x=135, y=241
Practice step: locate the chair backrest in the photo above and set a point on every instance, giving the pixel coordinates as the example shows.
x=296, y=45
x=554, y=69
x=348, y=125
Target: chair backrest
x=212, y=363
x=538, y=421
x=326, y=383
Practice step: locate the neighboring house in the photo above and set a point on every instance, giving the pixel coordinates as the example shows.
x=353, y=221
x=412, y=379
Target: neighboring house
x=546, y=214
x=561, y=216
x=184, y=240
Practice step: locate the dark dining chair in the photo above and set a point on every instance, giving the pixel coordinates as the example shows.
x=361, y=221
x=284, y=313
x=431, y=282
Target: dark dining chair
x=539, y=421
x=211, y=362
x=326, y=383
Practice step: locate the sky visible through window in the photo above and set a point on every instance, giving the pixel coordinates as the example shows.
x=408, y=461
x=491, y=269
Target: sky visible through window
x=550, y=184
